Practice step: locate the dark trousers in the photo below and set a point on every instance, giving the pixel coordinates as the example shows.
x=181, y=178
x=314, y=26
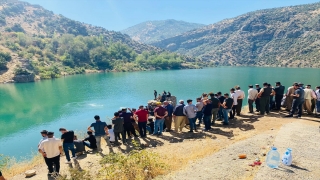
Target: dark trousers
x=278, y=100
x=207, y=122
x=239, y=106
x=250, y=103
x=142, y=128
x=128, y=128
x=257, y=104
x=51, y=161
x=199, y=116
x=264, y=104
x=233, y=111
x=297, y=104
x=117, y=135
x=220, y=113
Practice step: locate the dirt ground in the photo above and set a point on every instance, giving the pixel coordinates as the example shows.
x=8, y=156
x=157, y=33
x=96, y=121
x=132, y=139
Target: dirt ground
x=214, y=154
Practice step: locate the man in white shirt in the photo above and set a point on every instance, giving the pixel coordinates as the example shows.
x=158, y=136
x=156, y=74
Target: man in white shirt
x=241, y=96
x=234, y=96
x=309, y=95
x=252, y=96
x=51, y=149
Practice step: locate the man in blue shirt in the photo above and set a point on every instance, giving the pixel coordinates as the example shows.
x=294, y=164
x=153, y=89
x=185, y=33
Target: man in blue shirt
x=298, y=100
x=100, y=131
x=168, y=119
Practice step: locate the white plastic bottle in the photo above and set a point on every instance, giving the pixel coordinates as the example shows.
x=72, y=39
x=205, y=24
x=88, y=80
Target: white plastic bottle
x=287, y=157
x=273, y=158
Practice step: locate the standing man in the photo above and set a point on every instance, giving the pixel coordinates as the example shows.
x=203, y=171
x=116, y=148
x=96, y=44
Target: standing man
x=179, y=117
x=52, y=150
x=221, y=99
x=159, y=112
x=318, y=99
x=155, y=94
x=298, y=100
x=207, y=114
x=252, y=96
x=289, y=98
x=44, y=134
x=142, y=116
x=258, y=99
x=67, y=139
x=100, y=131
x=279, y=90
x=118, y=129
x=264, y=95
x=127, y=118
x=199, y=106
x=190, y=111
x=308, y=97
x=215, y=107
x=168, y=118
x=227, y=106
x=234, y=96
x=241, y=96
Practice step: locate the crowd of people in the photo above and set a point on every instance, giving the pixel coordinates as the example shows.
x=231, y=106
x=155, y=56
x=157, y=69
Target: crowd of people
x=128, y=123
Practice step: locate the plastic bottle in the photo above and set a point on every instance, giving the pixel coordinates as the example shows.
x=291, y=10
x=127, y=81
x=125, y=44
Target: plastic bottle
x=273, y=158
x=287, y=157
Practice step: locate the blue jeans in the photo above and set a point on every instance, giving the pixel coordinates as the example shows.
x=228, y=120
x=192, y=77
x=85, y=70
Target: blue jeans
x=220, y=113
x=199, y=116
x=225, y=114
x=66, y=148
x=158, y=124
x=192, y=123
x=207, y=122
x=318, y=106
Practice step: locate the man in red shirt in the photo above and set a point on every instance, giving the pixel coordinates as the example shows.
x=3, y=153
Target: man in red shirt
x=159, y=112
x=142, y=117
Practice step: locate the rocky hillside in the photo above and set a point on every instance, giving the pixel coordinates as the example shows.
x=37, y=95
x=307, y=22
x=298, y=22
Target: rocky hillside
x=37, y=44
x=286, y=37
x=153, y=31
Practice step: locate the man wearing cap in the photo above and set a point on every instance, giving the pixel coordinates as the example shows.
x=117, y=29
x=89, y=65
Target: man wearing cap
x=179, y=117
x=289, y=98
x=100, y=131
x=159, y=112
x=241, y=96
x=298, y=100
x=51, y=149
x=309, y=95
x=257, y=101
x=279, y=90
x=190, y=111
x=252, y=96
x=264, y=95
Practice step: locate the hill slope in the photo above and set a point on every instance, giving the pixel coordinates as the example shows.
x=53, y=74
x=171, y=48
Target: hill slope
x=287, y=36
x=37, y=44
x=152, y=31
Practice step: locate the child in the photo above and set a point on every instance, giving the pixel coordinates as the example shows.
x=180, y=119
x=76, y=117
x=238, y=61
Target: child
x=111, y=134
x=92, y=140
x=150, y=125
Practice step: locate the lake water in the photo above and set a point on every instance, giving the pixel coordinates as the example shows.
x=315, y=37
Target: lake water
x=71, y=102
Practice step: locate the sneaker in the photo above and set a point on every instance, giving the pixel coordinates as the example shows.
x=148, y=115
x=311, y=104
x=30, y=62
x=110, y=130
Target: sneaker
x=74, y=157
x=68, y=162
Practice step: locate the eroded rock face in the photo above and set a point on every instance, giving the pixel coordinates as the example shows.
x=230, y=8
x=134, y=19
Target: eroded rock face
x=24, y=78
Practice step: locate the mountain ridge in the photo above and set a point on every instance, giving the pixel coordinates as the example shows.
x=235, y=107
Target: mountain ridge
x=152, y=31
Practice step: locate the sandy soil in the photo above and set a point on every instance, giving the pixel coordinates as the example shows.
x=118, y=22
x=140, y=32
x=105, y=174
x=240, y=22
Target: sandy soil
x=213, y=154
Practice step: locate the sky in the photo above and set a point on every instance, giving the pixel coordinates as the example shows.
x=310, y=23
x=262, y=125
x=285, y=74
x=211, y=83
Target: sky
x=121, y=14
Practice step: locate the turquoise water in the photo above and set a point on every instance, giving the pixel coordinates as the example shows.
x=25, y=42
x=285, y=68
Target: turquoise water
x=71, y=102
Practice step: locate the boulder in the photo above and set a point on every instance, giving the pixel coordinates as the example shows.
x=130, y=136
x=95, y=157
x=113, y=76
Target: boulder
x=30, y=173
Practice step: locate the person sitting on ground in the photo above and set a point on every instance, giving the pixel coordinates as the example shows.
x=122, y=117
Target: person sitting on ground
x=67, y=139
x=79, y=145
x=101, y=131
x=52, y=150
x=111, y=134
x=1, y=176
x=150, y=125
x=118, y=128
x=92, y=141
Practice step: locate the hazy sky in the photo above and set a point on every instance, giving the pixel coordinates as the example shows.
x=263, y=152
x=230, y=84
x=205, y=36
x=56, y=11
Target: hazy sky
x=121, y=14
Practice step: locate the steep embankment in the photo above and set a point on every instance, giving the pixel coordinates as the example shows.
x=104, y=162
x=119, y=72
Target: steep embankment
x=46, y=45
x=286, y=37
x=153, y=31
